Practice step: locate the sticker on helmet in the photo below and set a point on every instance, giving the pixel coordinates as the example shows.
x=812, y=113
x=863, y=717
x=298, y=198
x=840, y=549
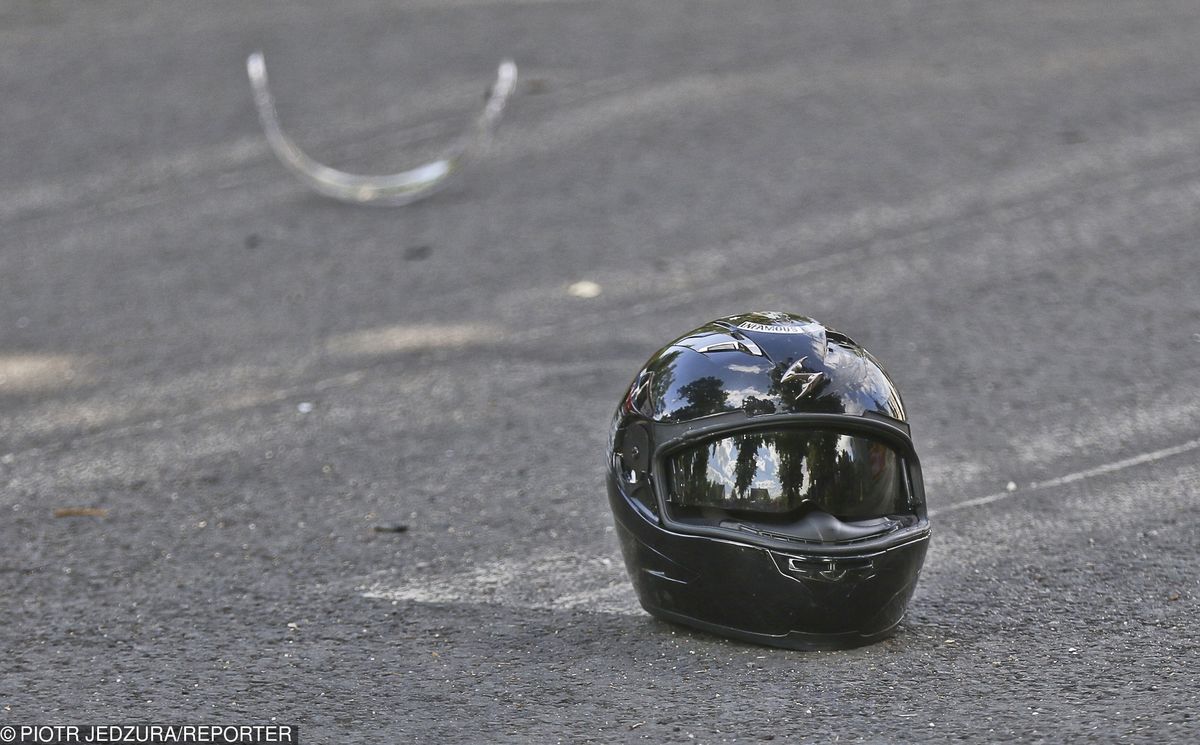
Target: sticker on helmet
x=807, y=328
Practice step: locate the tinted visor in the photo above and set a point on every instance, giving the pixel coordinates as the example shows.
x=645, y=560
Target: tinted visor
x=849, y=476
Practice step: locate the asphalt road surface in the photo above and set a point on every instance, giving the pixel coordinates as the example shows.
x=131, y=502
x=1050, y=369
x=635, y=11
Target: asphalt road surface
x=1000, y=200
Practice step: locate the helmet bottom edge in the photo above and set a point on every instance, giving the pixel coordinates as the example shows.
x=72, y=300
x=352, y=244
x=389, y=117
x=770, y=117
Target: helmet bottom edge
x=798, y=640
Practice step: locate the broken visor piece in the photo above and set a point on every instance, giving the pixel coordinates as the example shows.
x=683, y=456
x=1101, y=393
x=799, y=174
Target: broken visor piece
x=849, y=476
x=387, y=190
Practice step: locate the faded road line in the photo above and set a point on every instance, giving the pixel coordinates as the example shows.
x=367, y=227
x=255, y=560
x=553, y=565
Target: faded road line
x=1120, y=465
x=559, y=581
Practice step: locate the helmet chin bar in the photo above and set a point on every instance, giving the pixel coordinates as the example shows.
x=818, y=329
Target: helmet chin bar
x=385, y=190
x=818, y=526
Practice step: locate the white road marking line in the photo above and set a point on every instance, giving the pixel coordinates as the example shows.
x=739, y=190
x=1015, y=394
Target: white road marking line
x=1071, y=478
x=558, y=581
x=408, y=337
x=28, y=373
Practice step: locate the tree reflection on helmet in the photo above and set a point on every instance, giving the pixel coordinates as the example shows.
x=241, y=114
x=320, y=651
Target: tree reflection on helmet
x=764, y=485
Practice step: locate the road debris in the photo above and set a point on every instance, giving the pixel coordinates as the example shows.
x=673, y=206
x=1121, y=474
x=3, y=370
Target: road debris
x=385, y=190
x=399, y=528
x=81, y=512
x=584, y=288
x=417, y=253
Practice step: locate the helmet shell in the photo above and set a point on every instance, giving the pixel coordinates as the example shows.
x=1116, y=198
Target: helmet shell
x=821, y=583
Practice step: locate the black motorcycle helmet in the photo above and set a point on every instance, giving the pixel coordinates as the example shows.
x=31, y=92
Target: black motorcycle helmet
x=764, y=485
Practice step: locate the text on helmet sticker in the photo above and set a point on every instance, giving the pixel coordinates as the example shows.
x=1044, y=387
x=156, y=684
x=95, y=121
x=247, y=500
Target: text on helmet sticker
x=807, y=328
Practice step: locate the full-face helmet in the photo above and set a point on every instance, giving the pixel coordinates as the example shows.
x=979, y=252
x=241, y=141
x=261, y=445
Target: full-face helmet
x=764, y=485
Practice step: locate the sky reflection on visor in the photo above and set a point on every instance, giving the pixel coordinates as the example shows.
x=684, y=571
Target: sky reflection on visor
x=849, y=476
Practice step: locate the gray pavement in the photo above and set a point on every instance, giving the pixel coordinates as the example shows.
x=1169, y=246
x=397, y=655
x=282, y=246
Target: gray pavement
x=1000, y=200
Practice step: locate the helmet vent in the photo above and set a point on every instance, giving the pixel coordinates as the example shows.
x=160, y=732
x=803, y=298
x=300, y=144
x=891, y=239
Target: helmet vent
x=739, y=344
x=807, y=380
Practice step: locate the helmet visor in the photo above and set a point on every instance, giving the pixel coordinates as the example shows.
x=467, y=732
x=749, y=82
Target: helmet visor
x=849, y=476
